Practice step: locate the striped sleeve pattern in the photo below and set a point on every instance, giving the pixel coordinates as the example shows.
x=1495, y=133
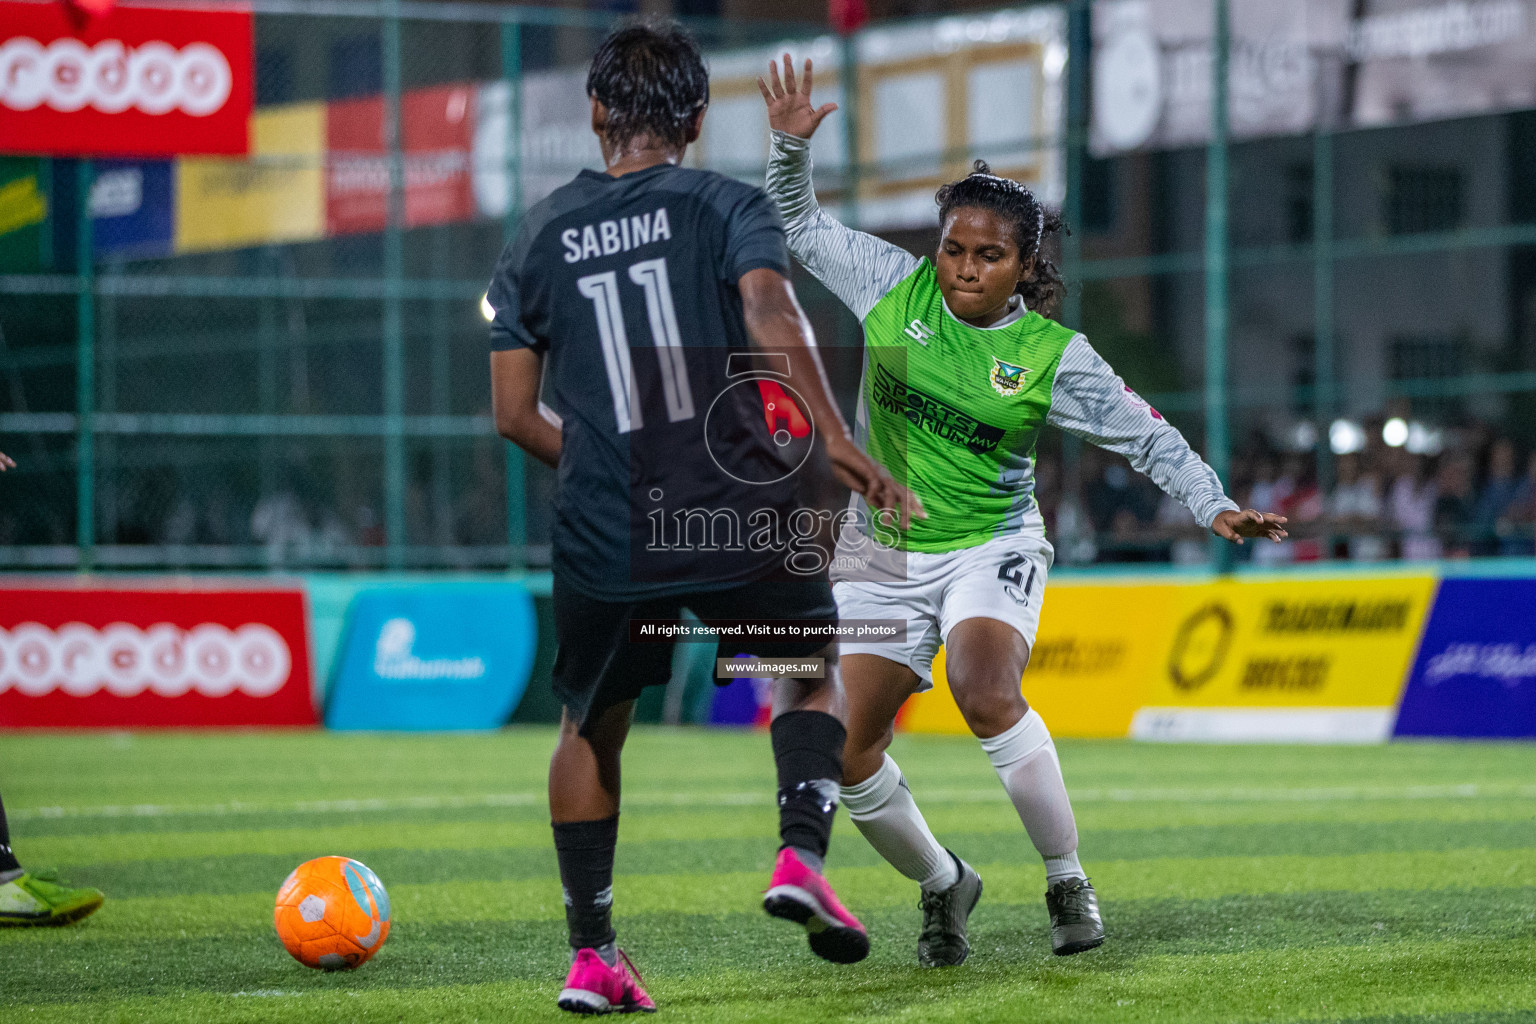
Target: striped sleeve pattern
x=856, y=267
x=1090, y=400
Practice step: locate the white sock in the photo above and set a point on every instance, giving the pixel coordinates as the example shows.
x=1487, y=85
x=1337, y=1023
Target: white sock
x=884, y=811
x=1025, y=759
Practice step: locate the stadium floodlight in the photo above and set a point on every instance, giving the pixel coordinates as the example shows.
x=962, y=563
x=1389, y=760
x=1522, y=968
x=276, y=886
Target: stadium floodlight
x=1422, y=440
x=1345, y=437
x=1395, y=432
x=486, y=309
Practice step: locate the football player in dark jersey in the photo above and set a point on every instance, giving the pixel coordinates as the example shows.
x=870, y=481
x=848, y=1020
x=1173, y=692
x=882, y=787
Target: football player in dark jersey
x=632, y=298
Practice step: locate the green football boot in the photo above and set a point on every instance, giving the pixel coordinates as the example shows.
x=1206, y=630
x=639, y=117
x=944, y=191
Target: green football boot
x=38, y=898
x=1075, y=922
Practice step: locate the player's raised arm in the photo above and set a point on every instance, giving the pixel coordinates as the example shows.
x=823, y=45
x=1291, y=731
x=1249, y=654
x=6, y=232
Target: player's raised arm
x=1090, y=400
x=6, y=462
x=856, y=267
x=520, y=417
x=777, y=324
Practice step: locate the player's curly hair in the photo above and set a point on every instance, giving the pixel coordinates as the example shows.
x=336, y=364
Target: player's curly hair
x=1032, y=225
x=650, y=75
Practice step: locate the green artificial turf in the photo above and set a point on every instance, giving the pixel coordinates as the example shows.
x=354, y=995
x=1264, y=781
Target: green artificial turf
x=1374, y=884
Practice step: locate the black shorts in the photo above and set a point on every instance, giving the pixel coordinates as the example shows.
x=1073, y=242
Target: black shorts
x=597, y=665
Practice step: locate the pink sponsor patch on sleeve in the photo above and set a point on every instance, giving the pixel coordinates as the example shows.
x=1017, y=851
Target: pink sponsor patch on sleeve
x=1138, y=400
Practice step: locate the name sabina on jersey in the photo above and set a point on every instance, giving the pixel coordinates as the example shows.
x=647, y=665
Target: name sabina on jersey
x=613, y=236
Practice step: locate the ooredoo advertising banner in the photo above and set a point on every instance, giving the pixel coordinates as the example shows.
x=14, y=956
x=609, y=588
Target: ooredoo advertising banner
x=139, y=81
x=132, y=658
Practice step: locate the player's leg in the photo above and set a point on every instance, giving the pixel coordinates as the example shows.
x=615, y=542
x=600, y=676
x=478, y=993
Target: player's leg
x=808, y=735
x=881, y=805
x=991, y=610
x=37, y=898
x=986, y=658
x=597, y=676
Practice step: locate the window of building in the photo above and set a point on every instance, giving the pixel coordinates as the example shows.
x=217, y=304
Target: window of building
x=1420, y=198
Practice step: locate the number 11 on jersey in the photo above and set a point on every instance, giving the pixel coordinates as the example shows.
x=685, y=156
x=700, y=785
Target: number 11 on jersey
x=603, y=290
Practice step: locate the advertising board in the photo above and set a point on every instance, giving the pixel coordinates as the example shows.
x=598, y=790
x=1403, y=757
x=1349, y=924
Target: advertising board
x=74, y=657
x=277, y=195
x=137, y=81
x=437, y=130
x=1095, y=654
x=433, y=656
x=1287, y=659
x=1475, y=674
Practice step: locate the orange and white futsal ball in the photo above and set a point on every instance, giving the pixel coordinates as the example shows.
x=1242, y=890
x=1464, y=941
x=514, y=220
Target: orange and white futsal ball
x=332, y=913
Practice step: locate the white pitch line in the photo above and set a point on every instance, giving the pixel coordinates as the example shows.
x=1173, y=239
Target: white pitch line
x=987, y=794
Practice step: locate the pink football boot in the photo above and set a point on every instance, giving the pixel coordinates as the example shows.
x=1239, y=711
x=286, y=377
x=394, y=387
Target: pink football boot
x=799, y=894
x=594, y=987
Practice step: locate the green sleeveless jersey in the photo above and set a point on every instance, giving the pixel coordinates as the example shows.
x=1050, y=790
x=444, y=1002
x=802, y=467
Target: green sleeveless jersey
x=953, y=411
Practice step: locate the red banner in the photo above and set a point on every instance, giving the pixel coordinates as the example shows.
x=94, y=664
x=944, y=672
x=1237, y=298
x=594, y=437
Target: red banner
x=130, y=658
x=437, y=127
x=139, y=81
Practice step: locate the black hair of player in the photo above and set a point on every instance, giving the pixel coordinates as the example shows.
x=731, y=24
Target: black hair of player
x=1032, y=225
x=650, y=75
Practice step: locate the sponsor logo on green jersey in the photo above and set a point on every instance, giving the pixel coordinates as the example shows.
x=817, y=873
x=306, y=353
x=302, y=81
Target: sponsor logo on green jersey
x=933, y=415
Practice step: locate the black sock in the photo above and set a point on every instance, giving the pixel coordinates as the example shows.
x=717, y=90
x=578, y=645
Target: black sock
x=585, y=849
x=808, y=751
x=7, y=858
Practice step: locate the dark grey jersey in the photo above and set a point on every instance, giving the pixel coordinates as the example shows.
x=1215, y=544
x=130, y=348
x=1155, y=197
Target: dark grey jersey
x=628, y=285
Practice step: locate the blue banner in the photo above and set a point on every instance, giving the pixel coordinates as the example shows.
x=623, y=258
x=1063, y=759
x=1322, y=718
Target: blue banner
x=133, y=208
x=433, y=656
x=1475, y=674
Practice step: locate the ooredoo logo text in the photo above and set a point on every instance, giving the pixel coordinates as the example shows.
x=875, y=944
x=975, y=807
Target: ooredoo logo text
x=127, y=660
x=111, y=77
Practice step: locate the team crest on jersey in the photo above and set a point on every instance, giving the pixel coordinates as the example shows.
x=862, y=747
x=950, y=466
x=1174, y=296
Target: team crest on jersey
x=1007, y=379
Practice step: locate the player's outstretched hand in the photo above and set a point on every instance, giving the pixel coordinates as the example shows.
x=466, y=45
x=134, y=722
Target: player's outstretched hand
x=1234, y=525
x=789, y=108
x=858, y=471
x=6, y=462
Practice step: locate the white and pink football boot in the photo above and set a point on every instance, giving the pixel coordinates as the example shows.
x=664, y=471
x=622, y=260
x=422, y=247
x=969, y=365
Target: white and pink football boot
x=796, y=893
x=594, y=987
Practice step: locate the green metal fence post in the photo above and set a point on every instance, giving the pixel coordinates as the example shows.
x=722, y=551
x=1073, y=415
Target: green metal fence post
x=512, y=74
x=1079, y=51
x=85, y=370
x=394, y=320
x=848, y=74
x=1325, y=371
x=1217, y=257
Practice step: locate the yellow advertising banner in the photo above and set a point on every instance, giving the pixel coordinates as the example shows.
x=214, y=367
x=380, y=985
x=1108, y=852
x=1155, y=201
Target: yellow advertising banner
x=1287, y=643
x=276, y=195
x=1096, y=652
x=1288, y=658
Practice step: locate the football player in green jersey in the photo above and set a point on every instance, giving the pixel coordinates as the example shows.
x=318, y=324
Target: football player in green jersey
x=961, y=373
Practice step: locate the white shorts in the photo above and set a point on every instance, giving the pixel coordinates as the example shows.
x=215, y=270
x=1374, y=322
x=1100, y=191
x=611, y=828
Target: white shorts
x=1003, y=579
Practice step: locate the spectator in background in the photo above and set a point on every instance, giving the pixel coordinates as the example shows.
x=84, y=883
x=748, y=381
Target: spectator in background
x=1268, y=486
x=1517, y=527
x=1453, y=506
x=1497, y=495
x=1120, y=509
x=1355, y=509
x=1411, y=508
x=1295, y=492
